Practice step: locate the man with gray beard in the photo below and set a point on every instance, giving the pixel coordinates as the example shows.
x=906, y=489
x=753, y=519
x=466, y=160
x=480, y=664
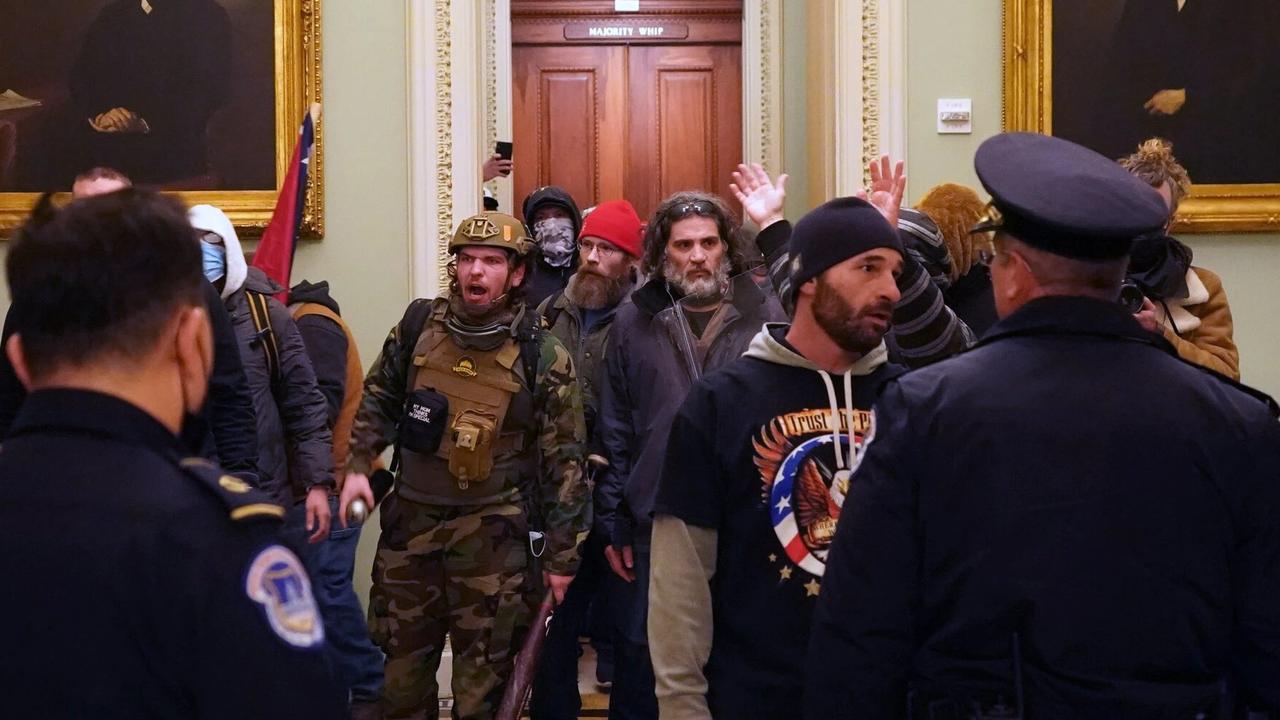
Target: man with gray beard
x=581, y=317
x=698, y=312
x=693, y=316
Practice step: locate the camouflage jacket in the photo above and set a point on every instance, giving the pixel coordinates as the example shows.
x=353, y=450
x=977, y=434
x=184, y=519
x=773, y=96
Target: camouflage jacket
x=562, y=494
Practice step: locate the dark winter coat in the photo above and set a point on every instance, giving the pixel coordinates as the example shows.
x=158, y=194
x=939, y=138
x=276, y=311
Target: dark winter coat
x=295, y=446
x=1073, y=489
x=651, y=364
x=326, y=344
x=564, y=320
x=225, y=428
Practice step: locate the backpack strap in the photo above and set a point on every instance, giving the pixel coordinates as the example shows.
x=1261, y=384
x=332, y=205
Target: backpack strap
x=264, y=335
x=549, y=311
x=410, y=329
x=529, y=336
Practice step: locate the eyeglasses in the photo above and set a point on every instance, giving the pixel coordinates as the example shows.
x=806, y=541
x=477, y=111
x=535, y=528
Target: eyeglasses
x=603, y=249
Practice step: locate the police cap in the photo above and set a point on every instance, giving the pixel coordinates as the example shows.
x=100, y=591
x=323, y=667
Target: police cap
x=1064, y=198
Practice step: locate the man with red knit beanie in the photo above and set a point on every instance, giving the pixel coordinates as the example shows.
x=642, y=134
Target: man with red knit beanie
x=580, y=316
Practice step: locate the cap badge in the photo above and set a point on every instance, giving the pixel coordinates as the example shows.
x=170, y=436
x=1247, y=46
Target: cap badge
x=479, y=228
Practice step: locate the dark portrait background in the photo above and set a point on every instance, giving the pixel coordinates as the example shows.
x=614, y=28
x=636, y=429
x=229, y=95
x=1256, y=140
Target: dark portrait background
x=1111, y=56
x=39, y=45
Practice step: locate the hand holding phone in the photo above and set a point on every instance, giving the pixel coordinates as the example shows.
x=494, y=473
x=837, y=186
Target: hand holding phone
x=500, y=164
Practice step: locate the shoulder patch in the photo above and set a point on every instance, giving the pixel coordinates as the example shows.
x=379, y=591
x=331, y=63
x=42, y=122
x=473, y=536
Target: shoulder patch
x=277, y=582
x=243, y=501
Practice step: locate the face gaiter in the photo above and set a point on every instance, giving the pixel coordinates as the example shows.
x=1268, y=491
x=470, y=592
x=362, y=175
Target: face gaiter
x=555, y=239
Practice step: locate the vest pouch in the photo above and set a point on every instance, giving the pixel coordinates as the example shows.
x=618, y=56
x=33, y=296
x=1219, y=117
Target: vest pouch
x=471, y=459
x=426, y=413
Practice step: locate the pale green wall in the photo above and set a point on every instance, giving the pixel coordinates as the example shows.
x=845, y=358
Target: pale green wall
x=795, y=160
x=954, y=50
x=365, y=254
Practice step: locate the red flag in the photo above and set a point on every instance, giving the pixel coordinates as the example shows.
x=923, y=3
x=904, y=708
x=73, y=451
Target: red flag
x=280, y=240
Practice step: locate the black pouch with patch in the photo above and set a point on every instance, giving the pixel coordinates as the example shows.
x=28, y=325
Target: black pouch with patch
x=426, y=415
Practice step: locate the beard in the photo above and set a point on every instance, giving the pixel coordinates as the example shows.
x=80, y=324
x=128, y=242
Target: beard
x=853, y=329
x=705, y=289
x=592, y=291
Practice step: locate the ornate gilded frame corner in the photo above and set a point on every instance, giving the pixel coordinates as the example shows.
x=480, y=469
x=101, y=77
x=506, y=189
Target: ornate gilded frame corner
x=1028, y=106
x=298, y=80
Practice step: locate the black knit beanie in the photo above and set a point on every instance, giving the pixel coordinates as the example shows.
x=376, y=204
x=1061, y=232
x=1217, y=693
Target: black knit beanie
x=834, y=232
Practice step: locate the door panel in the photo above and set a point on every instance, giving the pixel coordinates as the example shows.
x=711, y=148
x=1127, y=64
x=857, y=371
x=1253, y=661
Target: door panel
x=569, y=108
x=686, y=120
x=636, y=121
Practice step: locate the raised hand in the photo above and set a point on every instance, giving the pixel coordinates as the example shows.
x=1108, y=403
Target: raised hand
x=888, y=184
x=760, y=196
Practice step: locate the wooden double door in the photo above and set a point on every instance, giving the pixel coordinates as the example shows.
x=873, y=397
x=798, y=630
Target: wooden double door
x=631, y=119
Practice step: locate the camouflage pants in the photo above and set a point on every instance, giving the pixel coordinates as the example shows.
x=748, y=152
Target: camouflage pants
x=455, y=570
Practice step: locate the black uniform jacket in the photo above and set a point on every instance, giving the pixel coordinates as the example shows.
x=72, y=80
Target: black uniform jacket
x=138, y=586
x=225, y=428
x=1070, y=481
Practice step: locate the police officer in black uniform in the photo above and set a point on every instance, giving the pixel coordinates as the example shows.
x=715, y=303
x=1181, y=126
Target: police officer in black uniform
x=1067, y=521
x=139, y=584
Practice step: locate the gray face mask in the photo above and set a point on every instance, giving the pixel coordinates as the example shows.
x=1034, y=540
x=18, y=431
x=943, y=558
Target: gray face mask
x=555, y=239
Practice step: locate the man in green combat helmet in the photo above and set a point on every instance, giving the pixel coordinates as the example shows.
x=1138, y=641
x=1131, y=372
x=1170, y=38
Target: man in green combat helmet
x=485, y=412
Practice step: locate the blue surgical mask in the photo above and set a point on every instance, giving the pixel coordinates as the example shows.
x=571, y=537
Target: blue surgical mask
x=215, y=260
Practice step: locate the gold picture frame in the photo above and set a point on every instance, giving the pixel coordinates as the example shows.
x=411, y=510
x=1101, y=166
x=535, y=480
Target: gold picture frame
x=1028, y=106
x=297, y=70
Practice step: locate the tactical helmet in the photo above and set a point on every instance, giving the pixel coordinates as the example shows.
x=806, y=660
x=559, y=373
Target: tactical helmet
x=492, y=229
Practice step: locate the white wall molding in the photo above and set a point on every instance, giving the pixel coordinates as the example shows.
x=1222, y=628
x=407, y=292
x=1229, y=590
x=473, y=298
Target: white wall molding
x=425, y=208
x=849, y=72
x=762, y=117
x=892, y=36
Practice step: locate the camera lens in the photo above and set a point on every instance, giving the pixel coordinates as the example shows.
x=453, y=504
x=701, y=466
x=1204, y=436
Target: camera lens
x=1131, y=296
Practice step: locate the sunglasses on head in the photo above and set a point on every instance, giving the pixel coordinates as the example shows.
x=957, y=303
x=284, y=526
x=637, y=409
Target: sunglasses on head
x=696, y=207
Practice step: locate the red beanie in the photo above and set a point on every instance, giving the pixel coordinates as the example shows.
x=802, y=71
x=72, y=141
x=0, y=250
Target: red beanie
x=616, y=222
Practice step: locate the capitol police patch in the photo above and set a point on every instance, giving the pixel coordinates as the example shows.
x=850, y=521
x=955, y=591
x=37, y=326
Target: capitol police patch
x=277, y=581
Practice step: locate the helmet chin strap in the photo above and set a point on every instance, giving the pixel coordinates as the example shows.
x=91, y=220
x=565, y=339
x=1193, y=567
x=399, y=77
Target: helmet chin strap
x=497, y=323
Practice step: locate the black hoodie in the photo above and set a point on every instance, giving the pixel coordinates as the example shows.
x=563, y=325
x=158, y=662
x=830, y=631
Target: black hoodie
x=754, y=478
x=546, y=280
x=326, y=343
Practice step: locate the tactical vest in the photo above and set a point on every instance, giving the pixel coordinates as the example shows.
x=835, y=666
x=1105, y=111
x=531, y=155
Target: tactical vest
x=488, y=452
x=352, y=388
